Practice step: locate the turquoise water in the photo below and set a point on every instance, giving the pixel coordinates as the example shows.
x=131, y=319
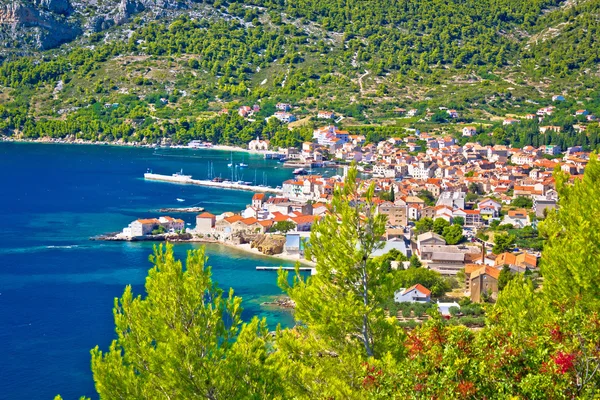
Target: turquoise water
x=57, y=287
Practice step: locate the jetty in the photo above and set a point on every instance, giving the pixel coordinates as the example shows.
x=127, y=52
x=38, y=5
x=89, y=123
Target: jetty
x=188, y=180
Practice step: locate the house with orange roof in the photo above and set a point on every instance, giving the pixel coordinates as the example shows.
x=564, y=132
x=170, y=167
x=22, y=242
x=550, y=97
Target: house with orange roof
x=471, y=217
x=141, y=227
x=414, y=294
x=205, y=222
x=304, y=222
x=225, y=225
x=258, y=199
x=519, y=262
x=484, y=283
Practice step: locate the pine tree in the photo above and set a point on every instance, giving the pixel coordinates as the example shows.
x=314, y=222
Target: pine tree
x=343, y=299
x=571, y=262
x=183, y=340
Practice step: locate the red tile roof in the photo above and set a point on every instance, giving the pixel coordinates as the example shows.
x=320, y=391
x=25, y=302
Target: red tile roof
x=205, y=215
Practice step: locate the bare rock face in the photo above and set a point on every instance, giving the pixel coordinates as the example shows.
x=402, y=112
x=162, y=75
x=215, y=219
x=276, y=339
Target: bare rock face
x=43, y=24
x=269, y=244
x=62, y=7
x=40, y=25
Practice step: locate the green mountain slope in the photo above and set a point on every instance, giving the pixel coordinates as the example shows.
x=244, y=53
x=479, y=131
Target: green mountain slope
x=362, y=59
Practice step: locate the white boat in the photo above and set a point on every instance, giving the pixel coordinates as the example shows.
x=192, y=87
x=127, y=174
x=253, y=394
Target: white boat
x=230, y=165
x=300, y=171
x=242, y=165
x=180, y=200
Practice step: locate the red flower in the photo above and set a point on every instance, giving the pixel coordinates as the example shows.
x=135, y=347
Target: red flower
x=564, y=361
x=556, y=334
x=466, y=388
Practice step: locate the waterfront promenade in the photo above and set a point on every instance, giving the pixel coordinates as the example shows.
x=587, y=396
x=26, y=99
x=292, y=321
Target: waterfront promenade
x=188, y=180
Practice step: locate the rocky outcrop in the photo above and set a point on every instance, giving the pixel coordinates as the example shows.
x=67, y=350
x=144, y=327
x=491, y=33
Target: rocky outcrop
x=269, y=244
x=46, y=28
x=62, y=7
x=43, y=24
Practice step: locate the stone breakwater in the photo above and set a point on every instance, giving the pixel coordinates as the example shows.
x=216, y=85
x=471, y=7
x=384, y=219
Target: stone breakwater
x=188, y=180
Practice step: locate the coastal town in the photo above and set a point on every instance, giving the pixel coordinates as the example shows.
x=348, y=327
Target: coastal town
x=468, y=212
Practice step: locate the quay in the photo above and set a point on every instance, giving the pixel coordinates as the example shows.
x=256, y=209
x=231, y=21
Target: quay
x=188, y=180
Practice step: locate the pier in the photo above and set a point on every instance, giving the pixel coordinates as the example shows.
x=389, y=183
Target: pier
x=188, y=180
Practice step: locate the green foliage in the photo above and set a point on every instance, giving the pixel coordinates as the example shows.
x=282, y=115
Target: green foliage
x=427, y=197
x=183, y=324
x=439, y=225
x=283, y=226
x=522, y=202
x=341, y=244
x=453, y=234
x=506, y=276
x=392, y=255
x=424, y=225
x=158, y=230
x=572, y=251
x=432, y=280
x=415, y=262
x=503, y=242
x=458, y=221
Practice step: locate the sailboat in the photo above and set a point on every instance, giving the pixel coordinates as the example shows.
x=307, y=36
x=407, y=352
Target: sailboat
x=231, y=161
x=242, y=165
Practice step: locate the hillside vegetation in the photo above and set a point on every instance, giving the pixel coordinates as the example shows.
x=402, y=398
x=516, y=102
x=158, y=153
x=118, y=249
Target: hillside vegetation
x=361, y=59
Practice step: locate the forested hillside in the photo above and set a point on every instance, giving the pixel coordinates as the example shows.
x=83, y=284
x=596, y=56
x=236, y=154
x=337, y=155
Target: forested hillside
x=363, y=60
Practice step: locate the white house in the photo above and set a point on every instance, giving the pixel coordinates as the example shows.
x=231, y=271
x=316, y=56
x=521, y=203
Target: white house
x=517, y=218
x=414, y=294
x=325, y=115
x=469, y=131
x=258, y=145
x=283, y=106
x=284, y=116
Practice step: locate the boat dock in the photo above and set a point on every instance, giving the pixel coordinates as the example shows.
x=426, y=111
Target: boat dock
x=188, y=180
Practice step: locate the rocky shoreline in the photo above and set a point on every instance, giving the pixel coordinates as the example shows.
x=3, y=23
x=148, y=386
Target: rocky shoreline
x=284, y=302
x=189, y=238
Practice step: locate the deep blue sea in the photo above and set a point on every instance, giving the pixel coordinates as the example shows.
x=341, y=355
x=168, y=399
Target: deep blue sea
x=57, y=287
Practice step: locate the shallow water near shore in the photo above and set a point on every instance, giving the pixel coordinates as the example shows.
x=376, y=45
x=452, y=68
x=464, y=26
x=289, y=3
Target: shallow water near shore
x=57, y=287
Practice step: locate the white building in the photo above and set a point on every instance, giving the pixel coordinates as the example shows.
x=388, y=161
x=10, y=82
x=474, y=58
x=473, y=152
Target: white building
x=414, y=294
x=258, y=145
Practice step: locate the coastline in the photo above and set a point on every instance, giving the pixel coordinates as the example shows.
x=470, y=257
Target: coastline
x=48, y=140
x=245, y=247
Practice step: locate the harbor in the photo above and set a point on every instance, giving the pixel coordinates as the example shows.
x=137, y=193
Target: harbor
x=181, y=179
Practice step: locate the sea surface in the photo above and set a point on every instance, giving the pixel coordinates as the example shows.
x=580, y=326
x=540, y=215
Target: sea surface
x=57, y=287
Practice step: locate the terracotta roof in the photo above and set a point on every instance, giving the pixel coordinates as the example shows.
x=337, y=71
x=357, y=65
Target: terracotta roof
x=205, y=215
x=521, y=213
x=419, y=288
x=470, y=268
x=277, y=216
x=303, y=219
x=258, y=196
x=148, y=221
x=233, y=219
x=493, y=272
